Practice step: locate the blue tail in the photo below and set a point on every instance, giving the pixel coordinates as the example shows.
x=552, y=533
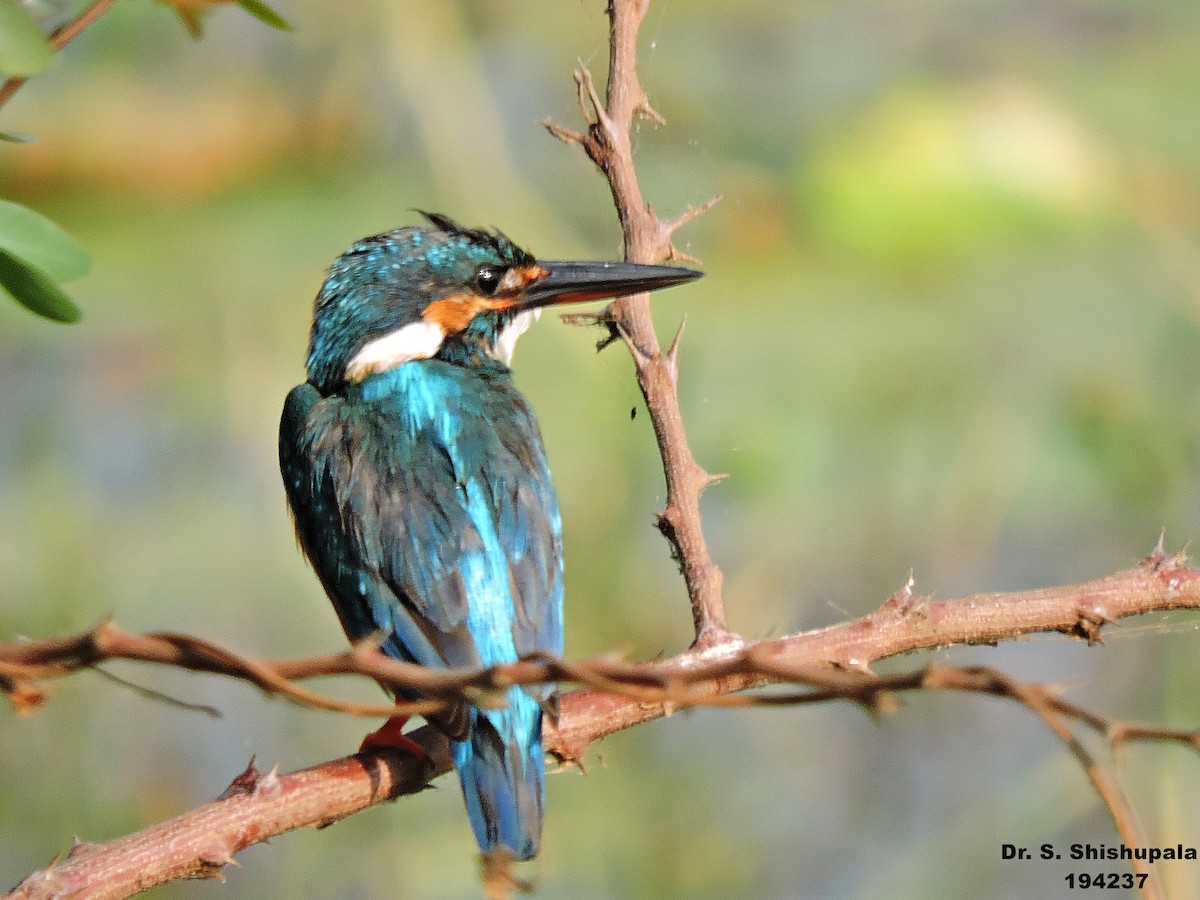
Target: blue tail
x=502, y=770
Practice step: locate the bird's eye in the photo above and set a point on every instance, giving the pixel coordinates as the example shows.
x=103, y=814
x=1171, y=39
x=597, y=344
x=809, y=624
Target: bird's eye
x=488, y=278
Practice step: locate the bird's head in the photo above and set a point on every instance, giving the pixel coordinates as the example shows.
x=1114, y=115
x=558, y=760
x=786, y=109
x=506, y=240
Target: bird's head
x=448, y=292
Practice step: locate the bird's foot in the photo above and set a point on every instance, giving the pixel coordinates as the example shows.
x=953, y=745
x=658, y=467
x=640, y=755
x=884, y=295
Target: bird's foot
x=390, y=736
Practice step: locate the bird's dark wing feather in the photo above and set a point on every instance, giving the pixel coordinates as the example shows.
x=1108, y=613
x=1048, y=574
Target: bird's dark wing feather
x=430, y=517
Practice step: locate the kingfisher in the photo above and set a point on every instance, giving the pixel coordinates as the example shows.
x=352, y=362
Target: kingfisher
x=419, y=486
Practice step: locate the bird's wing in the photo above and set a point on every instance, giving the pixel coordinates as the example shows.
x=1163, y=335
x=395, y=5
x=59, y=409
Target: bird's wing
x=443, y=534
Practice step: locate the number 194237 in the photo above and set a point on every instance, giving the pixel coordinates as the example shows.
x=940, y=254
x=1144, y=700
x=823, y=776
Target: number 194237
x=1106, y=880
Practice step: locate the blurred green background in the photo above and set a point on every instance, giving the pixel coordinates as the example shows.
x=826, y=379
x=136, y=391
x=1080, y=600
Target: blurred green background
x=951, y=322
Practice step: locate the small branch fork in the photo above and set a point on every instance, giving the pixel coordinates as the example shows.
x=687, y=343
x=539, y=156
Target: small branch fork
x=648, y=240
x=829, y=664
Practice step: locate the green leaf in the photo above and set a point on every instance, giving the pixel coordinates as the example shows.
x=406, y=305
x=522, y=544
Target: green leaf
x=17, y=137
x=23, y=47
x=36, y=239
x=35, y=290
x=264, y=13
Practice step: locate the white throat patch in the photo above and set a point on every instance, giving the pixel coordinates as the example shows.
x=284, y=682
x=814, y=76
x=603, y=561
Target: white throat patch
x=418, y=340
x=506, y=343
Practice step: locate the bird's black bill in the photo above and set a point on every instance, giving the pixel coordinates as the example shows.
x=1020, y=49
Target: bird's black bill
x=578, y=282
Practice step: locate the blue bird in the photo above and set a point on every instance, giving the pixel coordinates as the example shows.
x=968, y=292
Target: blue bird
x=419, y=486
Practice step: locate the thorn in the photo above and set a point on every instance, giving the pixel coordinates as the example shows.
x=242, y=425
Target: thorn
x=245, y=783
x=902, y=599
x=1158, y=555
x=675, y=253
x=564, y=134
x=639, y=358
x=691, y=212
x=581, y=92
x=668, y=228
x=646, y=111
x=583, y=77
x=1173, y=569
x=712, y=478
x=269, y=785
x=672, y=357
x=1160, y=563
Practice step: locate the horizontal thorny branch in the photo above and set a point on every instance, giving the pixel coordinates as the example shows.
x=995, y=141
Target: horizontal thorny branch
x=833, y=660
x=829, y=664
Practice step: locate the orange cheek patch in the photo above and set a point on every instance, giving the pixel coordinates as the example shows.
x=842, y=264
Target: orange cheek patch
x=454, y=313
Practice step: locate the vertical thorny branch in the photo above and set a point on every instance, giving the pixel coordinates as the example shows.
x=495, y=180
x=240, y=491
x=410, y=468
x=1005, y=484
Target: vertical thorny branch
x=648, y=240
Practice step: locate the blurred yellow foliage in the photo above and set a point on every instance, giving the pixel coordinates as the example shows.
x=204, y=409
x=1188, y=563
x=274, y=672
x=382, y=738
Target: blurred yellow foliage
x=935, y=172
